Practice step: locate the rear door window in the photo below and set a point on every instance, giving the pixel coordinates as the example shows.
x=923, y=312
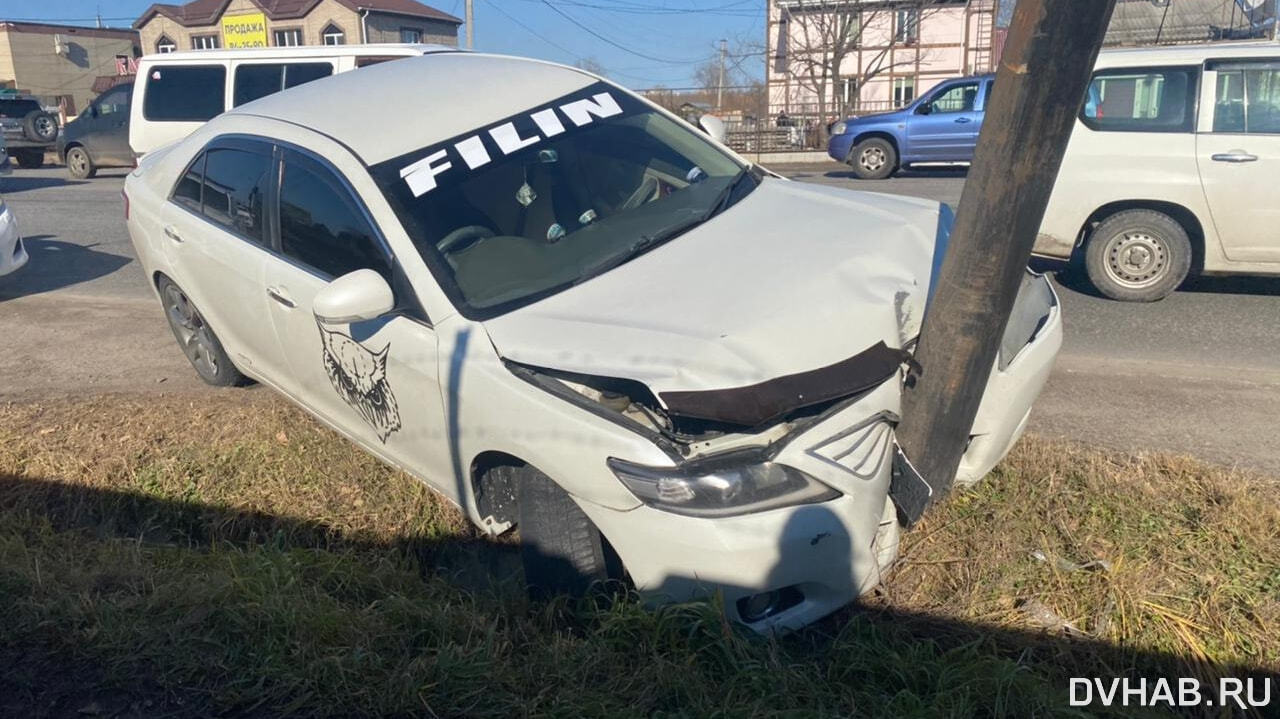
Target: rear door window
x=321, y=225
x=229, y=186
x=255, y=81
x=18, y=108
x=185, y=93
x=1247, y=99
x=1142, y=100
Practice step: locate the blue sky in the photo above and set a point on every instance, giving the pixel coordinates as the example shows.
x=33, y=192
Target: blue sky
x=640, y=43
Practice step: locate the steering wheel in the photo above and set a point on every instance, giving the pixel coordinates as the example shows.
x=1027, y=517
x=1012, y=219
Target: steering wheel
x=468, y=234
x=642, y=194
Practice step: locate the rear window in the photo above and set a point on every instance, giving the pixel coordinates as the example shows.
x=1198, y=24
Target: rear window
x=255, y=81
x=1142, y=100
x=185, y=93
x=18, y=108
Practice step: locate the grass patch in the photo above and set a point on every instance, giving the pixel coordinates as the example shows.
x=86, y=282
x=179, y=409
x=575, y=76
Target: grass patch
x=180, y=556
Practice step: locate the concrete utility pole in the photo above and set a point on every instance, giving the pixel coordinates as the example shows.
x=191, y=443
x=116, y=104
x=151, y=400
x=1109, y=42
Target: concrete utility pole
x=471, y=24
x=1040, y=87
x=724, y=49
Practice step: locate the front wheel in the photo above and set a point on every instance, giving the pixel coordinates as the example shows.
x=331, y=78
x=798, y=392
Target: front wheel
x=79, y=164
x=196, y=338
x=1138, y=256
x=562, y=551
x=875, y=158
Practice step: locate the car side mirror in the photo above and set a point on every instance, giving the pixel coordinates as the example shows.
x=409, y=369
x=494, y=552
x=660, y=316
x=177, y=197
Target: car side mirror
x=713, y=126
x=354, y=297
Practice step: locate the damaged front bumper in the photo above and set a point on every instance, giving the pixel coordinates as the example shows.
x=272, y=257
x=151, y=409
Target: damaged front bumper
x=786, y=567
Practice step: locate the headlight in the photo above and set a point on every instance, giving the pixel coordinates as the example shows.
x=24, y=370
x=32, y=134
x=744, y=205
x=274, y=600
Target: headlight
x=839, y=128
x=734, y=483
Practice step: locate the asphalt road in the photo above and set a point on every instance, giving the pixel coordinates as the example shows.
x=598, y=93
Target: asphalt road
x=1197, y=373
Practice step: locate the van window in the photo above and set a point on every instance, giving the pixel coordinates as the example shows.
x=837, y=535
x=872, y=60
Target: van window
x=320, y=224
x=185, y=93
x=1247, y=98
x=255, y=81
x=113, y=101
x=1142, y=100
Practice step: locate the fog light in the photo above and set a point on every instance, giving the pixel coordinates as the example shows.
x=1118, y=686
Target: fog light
x=766, y=604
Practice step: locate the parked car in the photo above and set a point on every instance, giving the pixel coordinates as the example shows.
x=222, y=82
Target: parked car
x=939, y=126
x=1171, y=169
x=567, y=310
x=178, y=91
x=28, y=129
x=12, y=253
x=99, y=136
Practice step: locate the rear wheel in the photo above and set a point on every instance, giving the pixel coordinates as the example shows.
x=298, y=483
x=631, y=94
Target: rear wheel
x=875, y=158
x=31, y=158
x=79, y=165
x=196, y=338
x=562, y=551
x=1138, y=256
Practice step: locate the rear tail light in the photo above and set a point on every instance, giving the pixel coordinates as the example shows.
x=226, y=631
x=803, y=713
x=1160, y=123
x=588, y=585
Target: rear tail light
x=125, y=195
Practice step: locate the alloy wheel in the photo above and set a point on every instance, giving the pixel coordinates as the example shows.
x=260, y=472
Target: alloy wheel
x=193, y=334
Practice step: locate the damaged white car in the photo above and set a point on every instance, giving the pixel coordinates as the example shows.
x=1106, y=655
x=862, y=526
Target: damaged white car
x=572, y=313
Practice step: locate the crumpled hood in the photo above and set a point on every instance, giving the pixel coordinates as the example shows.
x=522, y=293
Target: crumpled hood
x=792, y=278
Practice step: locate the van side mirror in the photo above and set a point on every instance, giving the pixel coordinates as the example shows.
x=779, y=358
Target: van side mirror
x=354, y=297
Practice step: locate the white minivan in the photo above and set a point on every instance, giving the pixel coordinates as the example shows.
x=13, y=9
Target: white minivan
x=178, y=91
x=1172, y=169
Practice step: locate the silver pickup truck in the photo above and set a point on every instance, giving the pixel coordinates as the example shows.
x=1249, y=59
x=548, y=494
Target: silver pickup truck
x=28, y=130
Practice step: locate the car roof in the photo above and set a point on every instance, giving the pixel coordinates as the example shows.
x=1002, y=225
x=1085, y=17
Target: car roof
x=1185, y=54
x=260, y=53
x=386, y=110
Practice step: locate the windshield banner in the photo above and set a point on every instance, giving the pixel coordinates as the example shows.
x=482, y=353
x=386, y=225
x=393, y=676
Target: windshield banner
x=425, y=170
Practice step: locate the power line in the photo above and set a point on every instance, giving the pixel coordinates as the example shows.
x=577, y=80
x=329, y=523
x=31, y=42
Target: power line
x=621, y=47
x=533, y=32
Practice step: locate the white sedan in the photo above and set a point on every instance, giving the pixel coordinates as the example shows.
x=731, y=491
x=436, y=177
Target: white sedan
x=568, y=311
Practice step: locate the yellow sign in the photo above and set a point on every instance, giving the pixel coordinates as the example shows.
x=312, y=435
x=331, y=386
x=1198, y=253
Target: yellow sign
x=244, y=30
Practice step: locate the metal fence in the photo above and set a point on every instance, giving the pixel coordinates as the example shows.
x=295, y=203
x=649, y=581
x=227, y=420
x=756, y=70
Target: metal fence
x=801, y=130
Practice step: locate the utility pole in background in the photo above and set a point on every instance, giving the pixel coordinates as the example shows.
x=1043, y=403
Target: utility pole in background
x=724, y=49
x=1040, y=87
x=471, y=24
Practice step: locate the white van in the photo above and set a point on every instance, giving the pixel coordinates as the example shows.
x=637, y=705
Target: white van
x=178, y=91
x=1172, y=169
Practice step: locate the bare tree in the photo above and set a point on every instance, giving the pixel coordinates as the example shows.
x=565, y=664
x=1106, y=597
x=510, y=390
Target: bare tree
x=592, y=65
x=822, y=34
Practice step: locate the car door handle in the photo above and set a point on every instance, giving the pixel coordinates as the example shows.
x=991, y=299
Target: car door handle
x=1234, y=156
x=279, y=295
x=963, y=120
x=172, y=233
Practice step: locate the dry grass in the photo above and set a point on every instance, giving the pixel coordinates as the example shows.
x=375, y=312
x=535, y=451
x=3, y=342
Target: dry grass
x=224, y=554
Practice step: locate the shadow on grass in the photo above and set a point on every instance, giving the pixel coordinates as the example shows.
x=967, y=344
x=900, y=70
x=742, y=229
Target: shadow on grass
x=436, y=625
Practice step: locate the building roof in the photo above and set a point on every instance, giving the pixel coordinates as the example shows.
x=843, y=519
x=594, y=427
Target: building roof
x=44, y=28
x=207, y=12
x=418, y=101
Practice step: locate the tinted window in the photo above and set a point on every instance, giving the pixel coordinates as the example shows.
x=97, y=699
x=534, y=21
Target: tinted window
x=320, y=224
x=187, y=191
x=114, y=100
x=191, y=93
x=235, y=184
x=255, y=81
x=18, y=108
x=957, y=98
x=1247, y=99
x=1142, y=100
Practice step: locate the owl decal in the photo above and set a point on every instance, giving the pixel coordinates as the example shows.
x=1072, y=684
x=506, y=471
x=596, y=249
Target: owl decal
x=360, y=379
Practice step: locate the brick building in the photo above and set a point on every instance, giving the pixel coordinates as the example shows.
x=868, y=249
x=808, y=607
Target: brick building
x=62, y=65
x=208, y=24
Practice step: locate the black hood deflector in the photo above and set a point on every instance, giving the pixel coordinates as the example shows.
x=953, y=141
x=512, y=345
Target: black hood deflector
x=757, y=404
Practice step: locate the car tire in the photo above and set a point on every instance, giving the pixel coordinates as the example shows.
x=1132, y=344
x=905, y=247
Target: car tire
x=40, y=126
x=562, y=551
x=196, y=338
x=79, y=164
x=29, y=158
x=1138, y=256
x=875, y=158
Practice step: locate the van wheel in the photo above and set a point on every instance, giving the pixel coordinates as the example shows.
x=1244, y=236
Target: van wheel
x=29, y=158
x=562, y=551
x=1138, y=256
x=873, y=159
x=196, y=338
x=79, y=165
